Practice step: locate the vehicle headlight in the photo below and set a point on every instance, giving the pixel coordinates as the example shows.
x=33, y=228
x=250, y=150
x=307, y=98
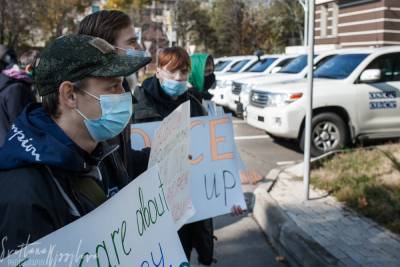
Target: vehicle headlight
x=281, y=99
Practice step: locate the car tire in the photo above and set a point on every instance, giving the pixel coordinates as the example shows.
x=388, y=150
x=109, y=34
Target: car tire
x=329, y=132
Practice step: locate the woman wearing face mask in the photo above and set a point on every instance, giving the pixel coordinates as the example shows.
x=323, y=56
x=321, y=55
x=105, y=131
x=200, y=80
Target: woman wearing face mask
x=167, y=89
x=202, y=76
x=157, y=98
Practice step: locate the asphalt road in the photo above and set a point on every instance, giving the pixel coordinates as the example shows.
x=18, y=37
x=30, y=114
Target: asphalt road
x=240, y=240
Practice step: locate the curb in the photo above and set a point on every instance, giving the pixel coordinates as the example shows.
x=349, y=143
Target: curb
x=293, y=243
x=298, y=248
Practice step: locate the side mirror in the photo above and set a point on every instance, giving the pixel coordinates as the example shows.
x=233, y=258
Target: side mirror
x=372, y=75
x=276, y=69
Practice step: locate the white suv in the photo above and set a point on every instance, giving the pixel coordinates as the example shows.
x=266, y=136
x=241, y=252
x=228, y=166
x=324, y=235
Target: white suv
x=258, y=68
x=294, y=71
x=356, y=95
x=224, y=64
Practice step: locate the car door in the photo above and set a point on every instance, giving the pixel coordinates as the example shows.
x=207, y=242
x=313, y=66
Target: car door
x=378, y=103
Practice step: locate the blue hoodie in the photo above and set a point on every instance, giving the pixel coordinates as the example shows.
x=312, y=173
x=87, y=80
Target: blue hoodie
x=34, y=138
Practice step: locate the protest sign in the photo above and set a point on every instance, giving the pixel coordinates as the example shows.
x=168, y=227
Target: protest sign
x=133, y=228
x=170, y=151
x=214, y=172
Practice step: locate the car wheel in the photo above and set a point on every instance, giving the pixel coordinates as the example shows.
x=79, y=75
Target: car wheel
x=329, y=132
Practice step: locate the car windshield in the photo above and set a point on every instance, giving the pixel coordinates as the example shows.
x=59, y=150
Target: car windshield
x=339, y=67
x=221, y=65
x=296, y=65
x=238, y=65
x=261, y=65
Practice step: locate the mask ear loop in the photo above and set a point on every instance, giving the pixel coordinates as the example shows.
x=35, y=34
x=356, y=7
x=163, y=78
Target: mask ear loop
x=90, y=94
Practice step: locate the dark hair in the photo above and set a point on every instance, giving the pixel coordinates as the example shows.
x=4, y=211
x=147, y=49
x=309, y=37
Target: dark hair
x=28, y=58
x=176, y=58
x=105, y=24
x=50, y=102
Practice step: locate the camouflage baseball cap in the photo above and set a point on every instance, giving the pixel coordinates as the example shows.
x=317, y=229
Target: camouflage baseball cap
x=75, y=57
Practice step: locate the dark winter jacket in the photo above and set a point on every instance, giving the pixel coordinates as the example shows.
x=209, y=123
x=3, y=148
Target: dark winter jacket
x=15, y=95
x=154, y=105
x=47, y=181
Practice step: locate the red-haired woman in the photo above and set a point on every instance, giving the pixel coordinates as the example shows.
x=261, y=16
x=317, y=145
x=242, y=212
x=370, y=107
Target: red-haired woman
x=156, y=99
x=161, y=94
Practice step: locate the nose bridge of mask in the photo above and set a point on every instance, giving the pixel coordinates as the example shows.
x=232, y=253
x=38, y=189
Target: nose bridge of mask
x=132, y=52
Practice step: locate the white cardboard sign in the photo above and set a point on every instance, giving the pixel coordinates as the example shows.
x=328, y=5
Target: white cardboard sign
x=170, y=151
x=133, y=228
x=215, y=167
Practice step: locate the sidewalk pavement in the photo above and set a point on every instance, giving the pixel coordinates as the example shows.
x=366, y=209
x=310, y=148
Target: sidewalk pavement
x=319, y=232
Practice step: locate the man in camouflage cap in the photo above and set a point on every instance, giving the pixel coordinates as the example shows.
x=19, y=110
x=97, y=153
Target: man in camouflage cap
x=54, y=165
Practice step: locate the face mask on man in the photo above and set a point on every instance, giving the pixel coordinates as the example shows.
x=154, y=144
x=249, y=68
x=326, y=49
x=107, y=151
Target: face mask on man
x=133, y=52
x=116, y=111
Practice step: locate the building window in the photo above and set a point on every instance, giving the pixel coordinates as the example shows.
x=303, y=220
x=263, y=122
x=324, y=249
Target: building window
x=324, y=21
x=335, y=19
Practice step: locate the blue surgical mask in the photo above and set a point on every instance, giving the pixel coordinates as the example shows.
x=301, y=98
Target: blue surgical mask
x=116, y=111
x=133, y=52
x=174, y=88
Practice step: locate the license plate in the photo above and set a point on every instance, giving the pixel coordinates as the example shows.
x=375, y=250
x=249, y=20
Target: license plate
x=260, y=118
x=235, y=98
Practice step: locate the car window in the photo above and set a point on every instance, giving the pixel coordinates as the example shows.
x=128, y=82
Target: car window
x=221, y=65
x=339, y=67
x=296, y=65
x=388, y=66
x=322, y=61
x=238, y=65
x=284, y=62
x=396, y=69
x=261, y=65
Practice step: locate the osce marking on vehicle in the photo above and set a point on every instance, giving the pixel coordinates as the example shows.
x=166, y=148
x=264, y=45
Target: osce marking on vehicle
x=382, y=95
x=383, y=105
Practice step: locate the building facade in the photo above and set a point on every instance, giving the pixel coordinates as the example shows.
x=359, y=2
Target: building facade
x=357, y=23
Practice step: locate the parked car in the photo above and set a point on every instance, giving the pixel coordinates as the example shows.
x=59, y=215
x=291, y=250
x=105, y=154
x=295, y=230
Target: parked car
x=267, y=65
x=225, y=64
x=294, y=71
x=356, y=96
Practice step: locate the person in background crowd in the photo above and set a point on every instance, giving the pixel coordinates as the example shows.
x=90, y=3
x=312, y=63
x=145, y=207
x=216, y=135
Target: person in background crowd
x=16, y=91
x=8, y=57
x=202, y=77
x=157, y=98
x=55, y=166
x=117, y=28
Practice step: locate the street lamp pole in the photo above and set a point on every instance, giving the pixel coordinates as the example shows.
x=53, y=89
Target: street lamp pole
x=309, y=98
